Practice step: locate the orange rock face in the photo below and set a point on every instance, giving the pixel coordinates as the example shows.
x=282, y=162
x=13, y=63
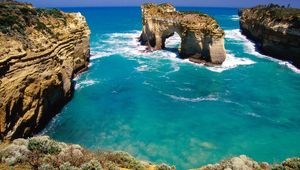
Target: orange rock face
x=202, y=39
x=39, y=57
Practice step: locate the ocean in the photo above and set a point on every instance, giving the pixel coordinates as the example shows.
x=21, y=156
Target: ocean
x=161, y=108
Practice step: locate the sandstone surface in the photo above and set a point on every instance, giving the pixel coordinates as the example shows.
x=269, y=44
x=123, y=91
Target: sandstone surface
x=202, y=39
x=41, y=50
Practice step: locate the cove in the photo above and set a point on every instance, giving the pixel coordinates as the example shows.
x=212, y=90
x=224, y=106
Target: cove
x=164, y=109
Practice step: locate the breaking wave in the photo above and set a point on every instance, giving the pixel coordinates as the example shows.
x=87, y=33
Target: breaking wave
x=127, y=45
x=84, y=83
x=236, y=35
x=234, y=17
x=197, y=99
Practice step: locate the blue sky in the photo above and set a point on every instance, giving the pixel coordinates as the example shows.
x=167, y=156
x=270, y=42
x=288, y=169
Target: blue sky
x=204, y=3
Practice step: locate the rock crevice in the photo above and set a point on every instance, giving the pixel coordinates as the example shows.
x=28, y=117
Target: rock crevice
x=202, y=39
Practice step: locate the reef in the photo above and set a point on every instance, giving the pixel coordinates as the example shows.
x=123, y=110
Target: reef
x=275, y=30
x=41, y=50
x=202, y=39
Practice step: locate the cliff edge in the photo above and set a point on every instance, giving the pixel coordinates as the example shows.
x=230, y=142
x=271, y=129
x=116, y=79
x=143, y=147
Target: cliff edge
x=275, y=30
x=41, y=152
x=202, y=39
x=41, y=50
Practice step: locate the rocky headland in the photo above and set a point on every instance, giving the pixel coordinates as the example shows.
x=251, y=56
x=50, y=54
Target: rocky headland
x=202, y=39
x=41, y=50
x=274, y=29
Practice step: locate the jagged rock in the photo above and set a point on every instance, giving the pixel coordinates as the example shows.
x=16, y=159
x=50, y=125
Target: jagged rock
x=41, y=50
x=274, y=29
x=202, y=39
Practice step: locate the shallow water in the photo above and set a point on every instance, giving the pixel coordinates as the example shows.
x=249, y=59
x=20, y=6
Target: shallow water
x=164, y=109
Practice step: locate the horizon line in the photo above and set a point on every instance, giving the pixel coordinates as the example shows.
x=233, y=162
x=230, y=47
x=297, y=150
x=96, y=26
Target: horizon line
x=133, y=6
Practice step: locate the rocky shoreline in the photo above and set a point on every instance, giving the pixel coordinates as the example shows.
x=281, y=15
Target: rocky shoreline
x=274, y=29
x=41, y=50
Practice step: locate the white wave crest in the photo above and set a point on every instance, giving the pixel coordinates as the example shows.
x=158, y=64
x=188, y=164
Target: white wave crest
x=236, y=35
x=231, y=62
x=253, y=114
x=234, y=17
x=100, y=55
x=84, y=83
x=142, y=68
x=197, y=99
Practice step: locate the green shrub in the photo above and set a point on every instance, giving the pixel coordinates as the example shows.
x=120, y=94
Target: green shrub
x=92, y=165
x=43, y=145
x=67, y=166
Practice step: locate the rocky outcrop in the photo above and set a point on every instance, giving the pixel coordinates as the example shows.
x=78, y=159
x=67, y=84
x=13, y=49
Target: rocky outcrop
x=41, y=152
x=244, y=163
x=275, y=29
x=202, y=39
x=41, y=50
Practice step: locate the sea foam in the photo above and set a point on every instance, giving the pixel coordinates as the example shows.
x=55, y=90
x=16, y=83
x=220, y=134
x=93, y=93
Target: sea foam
x=250, y=48
x=127, y=45
x=84, y=83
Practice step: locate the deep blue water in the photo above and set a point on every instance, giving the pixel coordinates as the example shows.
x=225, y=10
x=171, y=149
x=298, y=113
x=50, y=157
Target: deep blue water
x=163, y=109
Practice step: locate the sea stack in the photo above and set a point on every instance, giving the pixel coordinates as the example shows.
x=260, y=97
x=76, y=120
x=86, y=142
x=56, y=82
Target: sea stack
x=41, y=50
x=202, y=39
x=274, y=29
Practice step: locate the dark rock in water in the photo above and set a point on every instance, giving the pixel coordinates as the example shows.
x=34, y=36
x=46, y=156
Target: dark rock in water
x=202, y=39
x=41, y=50
x=274, y=29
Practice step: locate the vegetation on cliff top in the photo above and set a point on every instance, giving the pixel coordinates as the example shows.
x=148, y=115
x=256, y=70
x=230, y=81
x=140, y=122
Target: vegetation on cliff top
x=277, y=13
x=44, y=153
x=16, y=17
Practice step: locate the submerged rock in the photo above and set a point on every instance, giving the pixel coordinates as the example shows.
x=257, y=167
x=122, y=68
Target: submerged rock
x=274, y=29
x=202, y=39
x=41, y=50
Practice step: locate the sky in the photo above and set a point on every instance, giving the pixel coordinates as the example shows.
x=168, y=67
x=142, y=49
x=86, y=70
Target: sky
x=191, y=3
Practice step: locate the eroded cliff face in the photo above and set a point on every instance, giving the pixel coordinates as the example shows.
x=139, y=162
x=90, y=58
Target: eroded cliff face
x=275, y=29
x=202, y=39
x=40, y=52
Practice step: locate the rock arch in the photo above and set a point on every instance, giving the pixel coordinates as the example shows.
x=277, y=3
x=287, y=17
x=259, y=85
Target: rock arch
x=202, y=39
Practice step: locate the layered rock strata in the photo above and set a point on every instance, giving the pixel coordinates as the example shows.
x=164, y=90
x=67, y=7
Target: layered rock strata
x=41, y=50
x=202, y=39
x=274, y=29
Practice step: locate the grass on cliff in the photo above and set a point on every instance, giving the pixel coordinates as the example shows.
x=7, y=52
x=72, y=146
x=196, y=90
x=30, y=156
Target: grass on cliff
x=15, y=18
x=194, y=12
x=279, y=13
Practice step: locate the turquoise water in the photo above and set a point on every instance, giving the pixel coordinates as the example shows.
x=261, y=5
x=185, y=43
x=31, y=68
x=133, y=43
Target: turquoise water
x=163, y=109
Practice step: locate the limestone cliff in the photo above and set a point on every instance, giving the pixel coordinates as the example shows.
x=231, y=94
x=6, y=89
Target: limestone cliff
x=202, y=39
x=41, y=50
x=275, y=29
